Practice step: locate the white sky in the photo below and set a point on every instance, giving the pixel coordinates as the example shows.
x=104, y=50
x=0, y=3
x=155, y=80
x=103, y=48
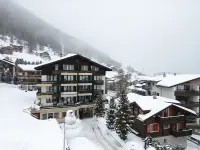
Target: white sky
x=151, y=35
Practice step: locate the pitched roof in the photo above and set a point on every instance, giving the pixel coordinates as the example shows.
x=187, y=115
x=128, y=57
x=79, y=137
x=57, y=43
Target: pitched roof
x=69, y=56
x=6, y=61
x=27, y=67
x=153, y=105
x=178, y=79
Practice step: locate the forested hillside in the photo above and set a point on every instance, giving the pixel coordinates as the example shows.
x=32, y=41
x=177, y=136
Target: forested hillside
x=16, y=21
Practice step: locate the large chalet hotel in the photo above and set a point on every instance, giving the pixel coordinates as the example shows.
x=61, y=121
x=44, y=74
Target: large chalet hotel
x=69, y=83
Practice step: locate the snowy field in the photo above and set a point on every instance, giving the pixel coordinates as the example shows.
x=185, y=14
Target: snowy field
x=20, y=131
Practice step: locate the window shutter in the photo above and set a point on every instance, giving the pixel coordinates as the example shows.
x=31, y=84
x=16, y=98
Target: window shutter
x=148, y=128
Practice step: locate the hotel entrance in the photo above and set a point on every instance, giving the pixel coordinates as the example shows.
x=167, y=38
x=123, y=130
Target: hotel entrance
x=86, y=112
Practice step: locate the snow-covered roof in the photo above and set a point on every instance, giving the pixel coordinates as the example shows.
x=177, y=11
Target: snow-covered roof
x=69, y=56
x=149, y=78
x=55, y=60
x=138, y=85
x=6, y=61
x=27, y=67
x=186, y=109
x=178, y=79
x=132, y=87
x=153, y=105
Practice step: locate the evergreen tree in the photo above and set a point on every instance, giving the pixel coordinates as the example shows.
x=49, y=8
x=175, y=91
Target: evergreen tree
x=122, y=116
x=28, y=63
x=33, y=63
x=99, y=108
x=25, y=62
x=122, y=81
x=40, y=62
x=110, y=120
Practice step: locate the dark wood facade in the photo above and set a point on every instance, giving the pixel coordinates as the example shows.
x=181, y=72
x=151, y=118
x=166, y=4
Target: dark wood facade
x=56, y=71
x=170, y=121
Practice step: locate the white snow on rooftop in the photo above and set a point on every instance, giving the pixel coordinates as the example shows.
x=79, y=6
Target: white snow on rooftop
x=178, y=79
x=57, y=59
x=27, y=67
x=154, y=105
x=149, y=78
x=20, y=131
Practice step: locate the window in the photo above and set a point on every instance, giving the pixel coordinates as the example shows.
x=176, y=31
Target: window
x=165, y=113
x=69, y=100
x=69, y=88
x=50, y=115
x=44, y=116
x=56, y=67
x=69, y=78
x=166, y=126
x=55, y=78
x=63, y=114
x=49, y=100
x=55, y=115
x=152, y=128
x=84, y=68
x=49, y=89
x=83, y=78
x=94, y=68
x=55, y=88
x=84, y=99
x=68, y=67
x=49, y=78
x=97, y=77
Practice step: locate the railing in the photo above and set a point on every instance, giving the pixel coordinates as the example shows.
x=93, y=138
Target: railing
x=99, y=82
x=186, y=93
x=180, y=133
x=190, y=104
x=170, y=119
x=84, y=91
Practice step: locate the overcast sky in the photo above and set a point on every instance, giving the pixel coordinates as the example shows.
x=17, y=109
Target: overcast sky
x=151, y=35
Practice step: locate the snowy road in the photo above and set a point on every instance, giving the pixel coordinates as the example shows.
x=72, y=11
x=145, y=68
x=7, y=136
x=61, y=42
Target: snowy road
x=88, y=128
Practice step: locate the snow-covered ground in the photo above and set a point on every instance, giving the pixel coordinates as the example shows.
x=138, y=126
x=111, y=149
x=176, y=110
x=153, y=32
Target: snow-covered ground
x=19, y=130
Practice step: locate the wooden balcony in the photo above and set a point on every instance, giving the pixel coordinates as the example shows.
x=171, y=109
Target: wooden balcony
x=193, y=125
x=186, y=93
x=184, y=132
x=170, y=119
x=99, y=82
x=190, y=104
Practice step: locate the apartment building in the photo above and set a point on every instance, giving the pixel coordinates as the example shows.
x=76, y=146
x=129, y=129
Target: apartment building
x=28, y=77
x=69, y=83
x=161, y=118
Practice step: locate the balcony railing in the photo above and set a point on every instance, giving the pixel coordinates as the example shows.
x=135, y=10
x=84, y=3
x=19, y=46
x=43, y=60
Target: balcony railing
x=170, y=119
x=99, y=82
x=85, y=81
x=184, y=132
x=85, y=91
x=187, y=93
x=190, y=104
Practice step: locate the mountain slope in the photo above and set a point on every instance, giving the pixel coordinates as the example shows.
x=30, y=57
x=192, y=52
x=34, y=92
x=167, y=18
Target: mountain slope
x=19, y=22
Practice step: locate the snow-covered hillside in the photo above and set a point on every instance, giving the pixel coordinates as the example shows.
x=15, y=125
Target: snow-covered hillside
x=19, y=130
x=33, y=57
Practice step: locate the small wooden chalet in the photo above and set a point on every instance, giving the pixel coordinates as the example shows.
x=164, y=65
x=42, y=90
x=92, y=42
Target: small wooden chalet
x=158, y=116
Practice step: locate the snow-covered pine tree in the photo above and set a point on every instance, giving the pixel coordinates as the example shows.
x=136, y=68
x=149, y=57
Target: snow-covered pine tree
x=122, y=81
x=110, y=119
x=122, y=116
x=99, y=108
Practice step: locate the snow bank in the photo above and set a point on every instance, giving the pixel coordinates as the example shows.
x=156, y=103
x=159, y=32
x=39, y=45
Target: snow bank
x=21, y=131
